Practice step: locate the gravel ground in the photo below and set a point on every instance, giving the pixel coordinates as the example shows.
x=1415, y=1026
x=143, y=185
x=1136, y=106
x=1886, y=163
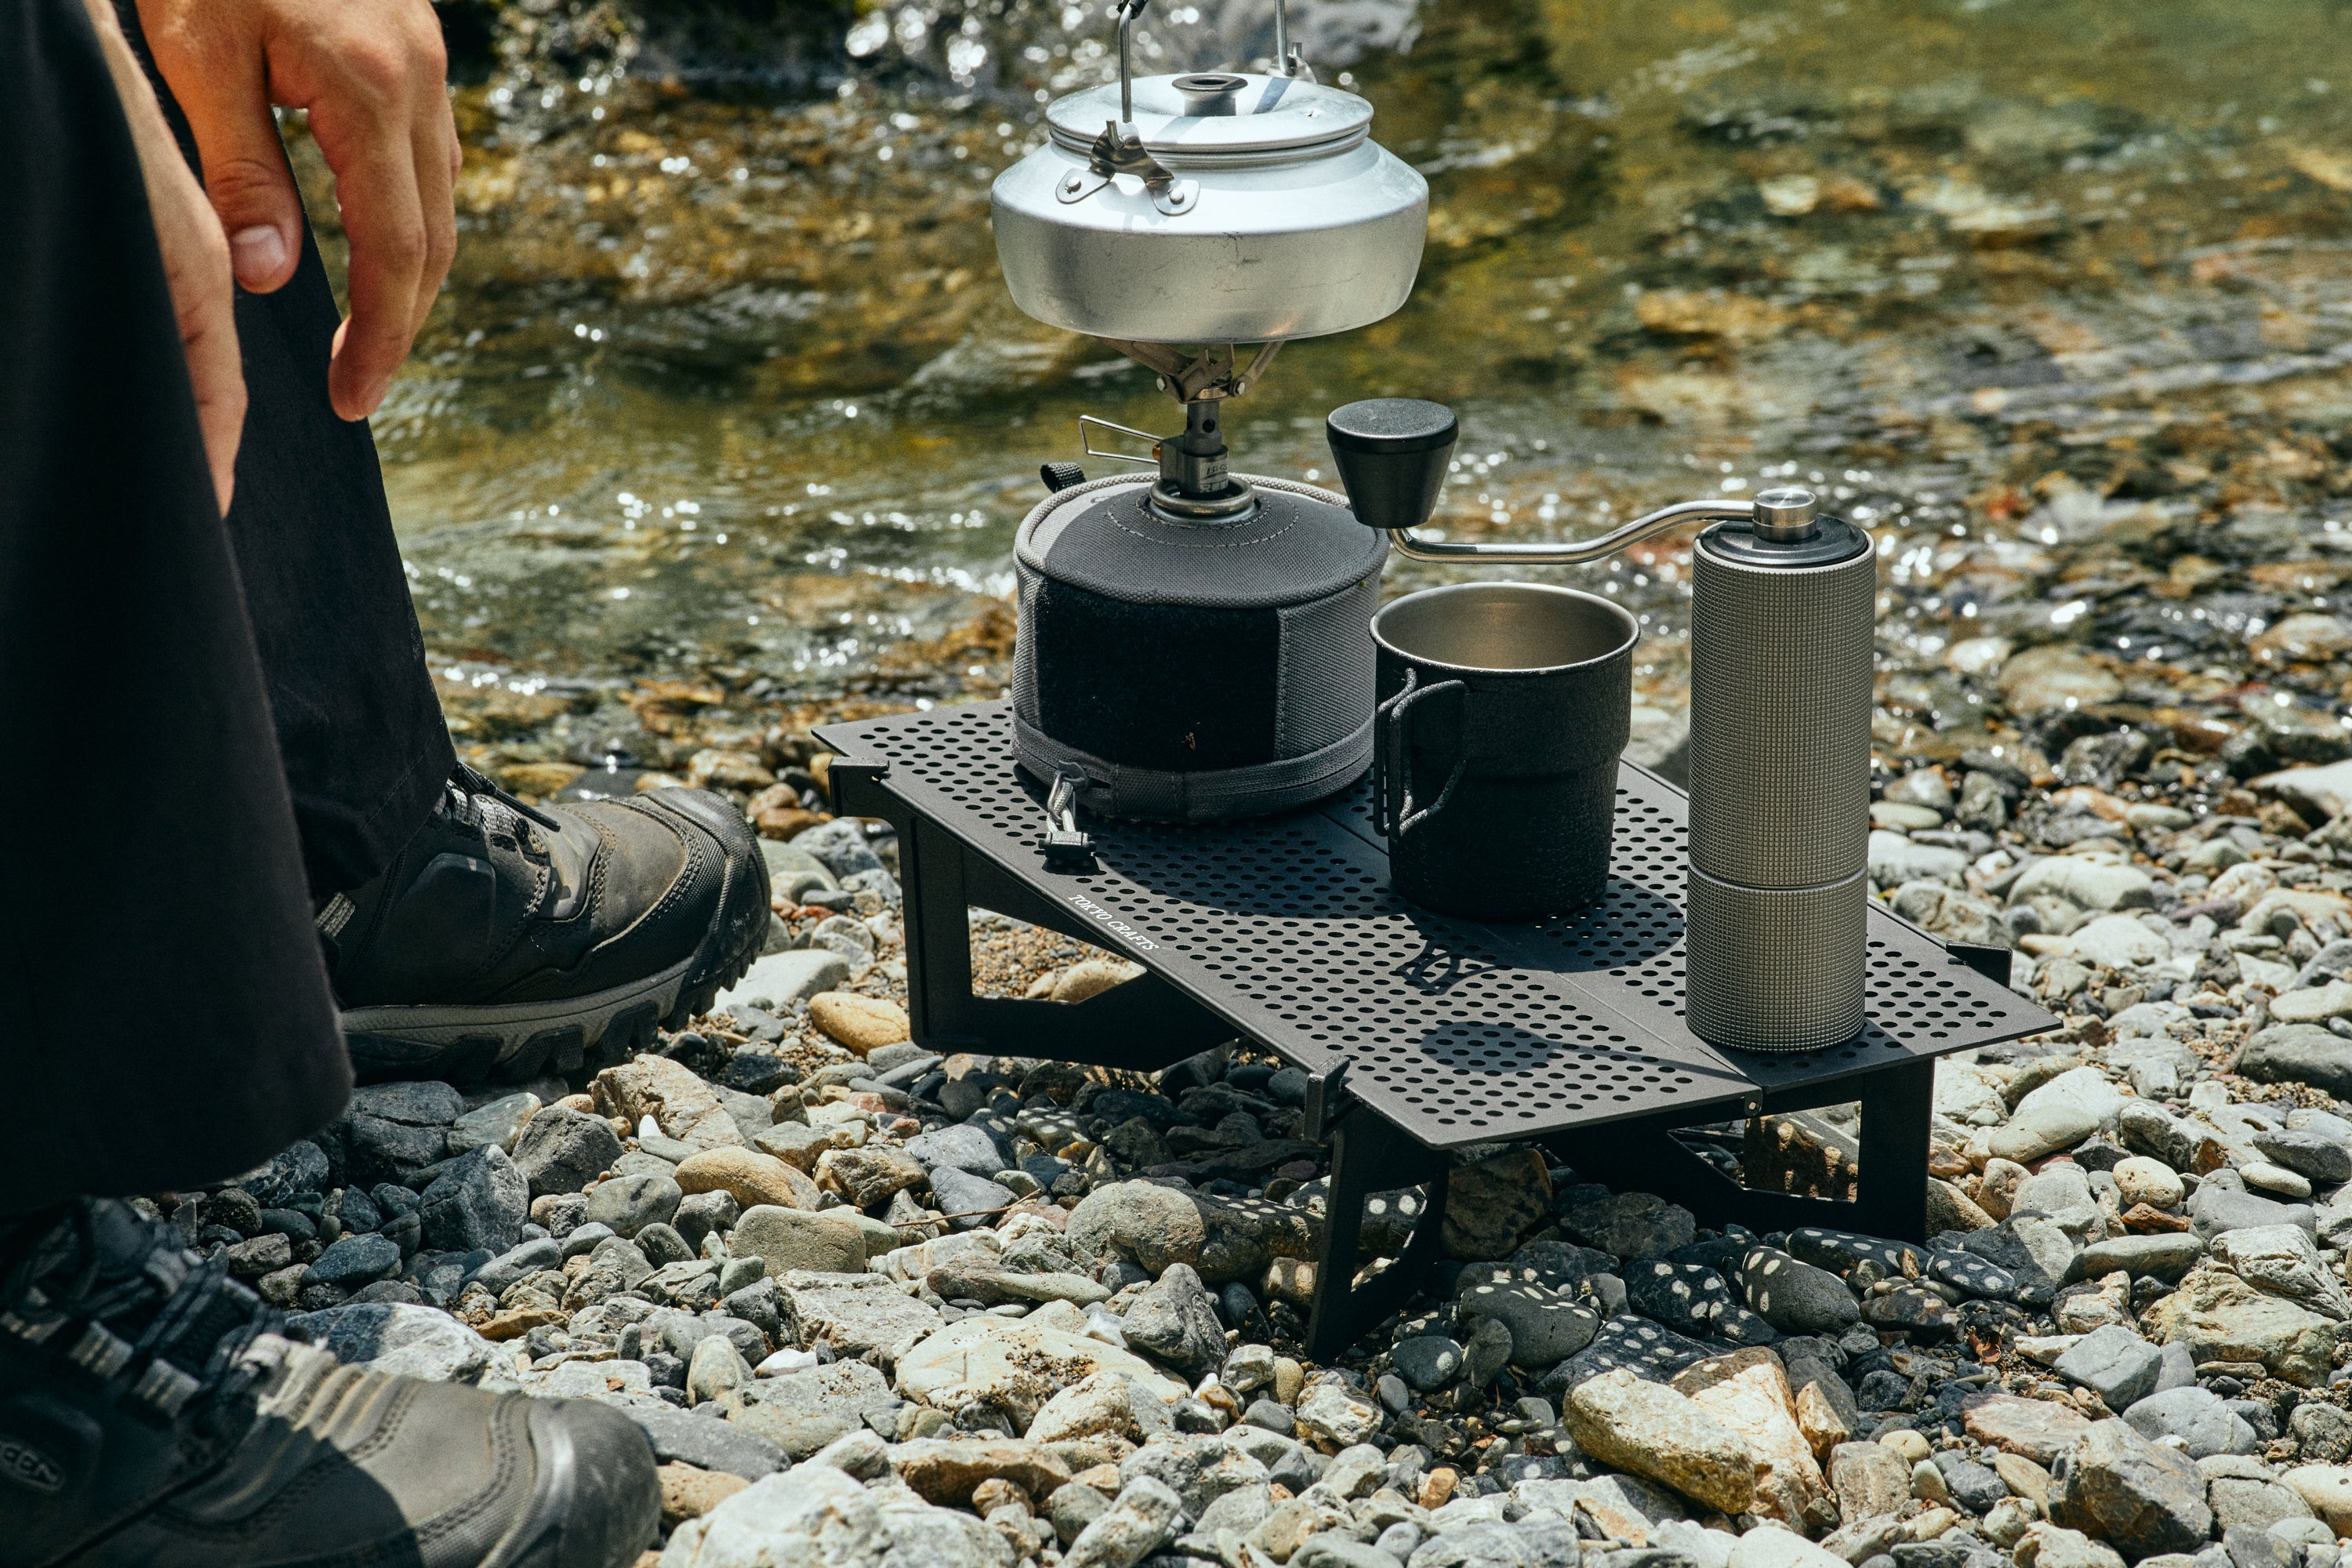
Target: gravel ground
x=872, y=1304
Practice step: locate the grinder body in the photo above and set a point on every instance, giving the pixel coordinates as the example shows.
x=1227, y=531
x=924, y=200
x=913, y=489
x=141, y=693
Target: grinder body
x=1781, y=671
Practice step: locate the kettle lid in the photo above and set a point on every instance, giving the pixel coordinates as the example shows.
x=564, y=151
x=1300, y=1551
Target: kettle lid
x=1220, y=117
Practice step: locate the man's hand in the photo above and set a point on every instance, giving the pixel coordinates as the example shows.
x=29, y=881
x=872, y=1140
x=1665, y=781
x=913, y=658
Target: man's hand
x=196, y=258
x=373, y=73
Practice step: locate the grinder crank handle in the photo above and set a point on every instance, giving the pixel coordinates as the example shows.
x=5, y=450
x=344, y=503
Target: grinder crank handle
x=1392, y=453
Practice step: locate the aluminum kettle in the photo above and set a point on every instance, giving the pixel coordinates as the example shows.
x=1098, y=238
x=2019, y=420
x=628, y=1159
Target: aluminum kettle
x=1210, y=207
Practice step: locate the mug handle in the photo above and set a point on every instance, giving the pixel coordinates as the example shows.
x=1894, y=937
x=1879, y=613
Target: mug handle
x=1393, y=810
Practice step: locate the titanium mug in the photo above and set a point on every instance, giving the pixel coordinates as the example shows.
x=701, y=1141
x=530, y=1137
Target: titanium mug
x=1502, y=710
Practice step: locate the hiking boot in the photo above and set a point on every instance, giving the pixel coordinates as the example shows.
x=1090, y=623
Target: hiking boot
x=508, y=941
x=152, y=1416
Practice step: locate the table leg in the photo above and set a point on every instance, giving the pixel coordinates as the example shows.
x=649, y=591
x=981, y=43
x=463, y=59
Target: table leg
x=1369, y=1155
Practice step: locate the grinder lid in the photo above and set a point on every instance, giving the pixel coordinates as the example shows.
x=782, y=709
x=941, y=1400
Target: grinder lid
x=1220, y=117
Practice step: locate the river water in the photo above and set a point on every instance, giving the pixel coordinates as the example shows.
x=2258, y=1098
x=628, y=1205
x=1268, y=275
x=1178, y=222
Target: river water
x=2054, y=295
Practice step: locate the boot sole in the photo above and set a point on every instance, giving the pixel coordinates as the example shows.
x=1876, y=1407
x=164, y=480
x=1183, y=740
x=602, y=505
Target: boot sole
x=571, y=1035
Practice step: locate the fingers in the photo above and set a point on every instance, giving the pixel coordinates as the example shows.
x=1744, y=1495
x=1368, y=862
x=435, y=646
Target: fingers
x=220, y=77
x=375, y=170
x=195, y=259
x=382, y=121
x=437, y=164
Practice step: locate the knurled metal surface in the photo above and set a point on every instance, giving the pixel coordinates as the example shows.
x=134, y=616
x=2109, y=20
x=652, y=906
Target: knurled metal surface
x=1777, y=969
x=1456, y=1031
x=1779, y=729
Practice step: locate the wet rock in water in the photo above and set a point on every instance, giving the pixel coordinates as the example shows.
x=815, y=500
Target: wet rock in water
x=1175, y=1320
x=2137, y=1496
x=1653, y=1431
x=1631, y=1224
x=1491, y=1204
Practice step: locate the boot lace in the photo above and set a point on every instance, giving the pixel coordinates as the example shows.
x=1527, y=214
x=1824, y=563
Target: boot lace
x=119, y=1297
x=471, y=797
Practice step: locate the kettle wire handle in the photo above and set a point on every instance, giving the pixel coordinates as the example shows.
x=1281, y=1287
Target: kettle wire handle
x=1128, y=10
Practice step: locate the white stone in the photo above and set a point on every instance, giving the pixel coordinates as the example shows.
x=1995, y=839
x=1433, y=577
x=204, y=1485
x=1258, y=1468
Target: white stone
x=2119, y=941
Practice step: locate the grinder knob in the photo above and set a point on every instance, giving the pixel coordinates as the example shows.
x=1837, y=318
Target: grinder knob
x=1391, y=453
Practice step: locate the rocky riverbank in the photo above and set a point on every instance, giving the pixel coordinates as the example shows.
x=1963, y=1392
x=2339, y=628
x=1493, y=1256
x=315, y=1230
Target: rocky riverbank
x=873, y=1304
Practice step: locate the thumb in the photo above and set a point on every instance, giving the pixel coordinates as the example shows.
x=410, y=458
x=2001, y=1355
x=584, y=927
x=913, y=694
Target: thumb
x=247, y=177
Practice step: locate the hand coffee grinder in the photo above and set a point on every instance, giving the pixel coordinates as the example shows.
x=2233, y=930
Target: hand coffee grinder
x=1194, y=643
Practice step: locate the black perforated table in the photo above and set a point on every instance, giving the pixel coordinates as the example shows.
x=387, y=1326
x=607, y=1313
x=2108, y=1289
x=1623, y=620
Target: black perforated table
x=1420, y=1032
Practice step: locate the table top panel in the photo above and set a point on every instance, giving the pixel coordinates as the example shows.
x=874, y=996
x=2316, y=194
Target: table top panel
x=1456, y=1030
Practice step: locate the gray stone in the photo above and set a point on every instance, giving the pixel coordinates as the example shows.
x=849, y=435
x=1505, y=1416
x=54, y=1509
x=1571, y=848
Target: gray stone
x=1427, y=1361
x=2164, y=1257
x=500, y=1121
x=709, y=1445
x=2282, y=1260
x=1796, y=1298
x=1546, y=1326
x=2140, y=1497
x=856, y=1313
x=2299, y=1053
x=563, y=1150
x=1486, y=1351
x=1332, y=1550
x=1134, y=1525
x=1176, y=1320
x=399, y=1338
x=2033, y=1250
x=479, y=1200
x=2115, y=1363
x=2321, y=1159
x=355, y=1261
x=1974, y=1486
x=629, y=1204
x=381, y=1151
x=783, y=978
x=1072, y=1508
x=2323, y=1433
x=1631, y=1225
x=2197, y=1416
x=967, y=1200
x=519, y=1263
x=2244, y=1505
x=699, y=1214
x=819, y=1514
x=2215, y=1208
x=422, y=1102
x=960, y=1145
x=1695, y=1300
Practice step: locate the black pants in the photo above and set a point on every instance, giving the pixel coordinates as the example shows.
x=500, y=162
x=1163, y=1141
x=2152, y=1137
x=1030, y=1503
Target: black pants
x=211, y=723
